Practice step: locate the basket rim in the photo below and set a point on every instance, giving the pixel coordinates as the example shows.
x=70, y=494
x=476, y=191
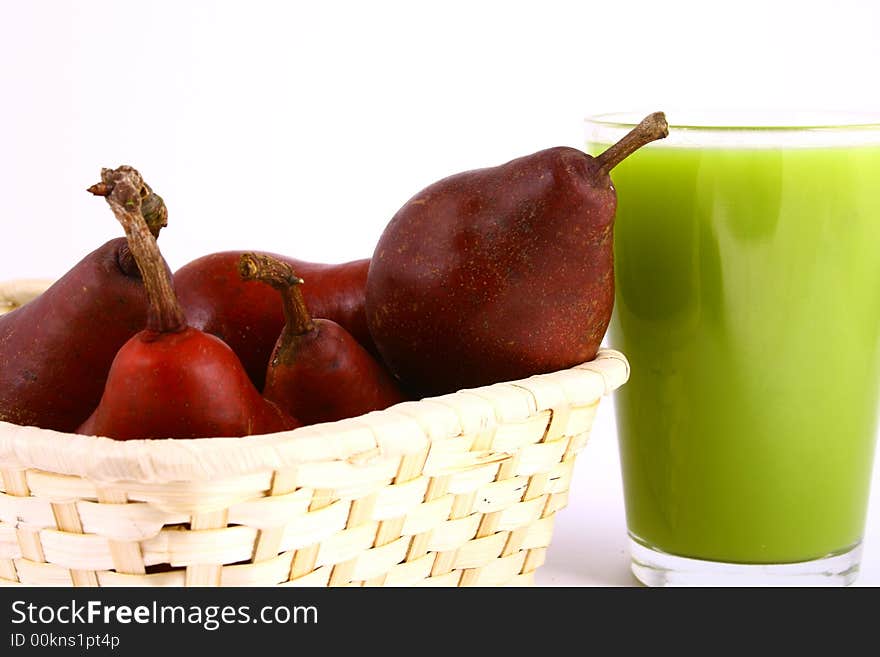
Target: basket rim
x=359, y=441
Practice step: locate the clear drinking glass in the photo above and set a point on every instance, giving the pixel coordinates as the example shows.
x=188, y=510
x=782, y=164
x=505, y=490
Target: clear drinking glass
x=747, y=258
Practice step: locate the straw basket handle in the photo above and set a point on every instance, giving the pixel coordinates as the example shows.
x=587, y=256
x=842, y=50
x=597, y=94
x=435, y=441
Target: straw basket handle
x=18, y=292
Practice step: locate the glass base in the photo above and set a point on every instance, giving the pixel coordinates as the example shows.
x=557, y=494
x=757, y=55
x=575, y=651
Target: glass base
x=655, y=568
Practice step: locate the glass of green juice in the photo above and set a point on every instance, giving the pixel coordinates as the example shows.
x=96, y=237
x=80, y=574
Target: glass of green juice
x=747, y=270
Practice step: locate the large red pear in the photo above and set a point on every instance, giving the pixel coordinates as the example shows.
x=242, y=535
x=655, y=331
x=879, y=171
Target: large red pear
x=500, y=273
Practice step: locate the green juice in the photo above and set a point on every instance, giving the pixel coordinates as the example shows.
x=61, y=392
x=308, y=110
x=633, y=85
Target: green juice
x=748, y=303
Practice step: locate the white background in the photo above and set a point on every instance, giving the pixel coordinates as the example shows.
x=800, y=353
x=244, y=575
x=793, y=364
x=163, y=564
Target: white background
x=302, y=127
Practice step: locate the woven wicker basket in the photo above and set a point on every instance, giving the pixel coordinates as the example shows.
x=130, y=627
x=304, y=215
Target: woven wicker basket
x=456, y=490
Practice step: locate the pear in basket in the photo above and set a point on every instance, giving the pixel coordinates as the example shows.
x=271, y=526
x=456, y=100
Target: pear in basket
x=249, y=317
x=500, y=273
x=171, y=380
x=317, y=372
x=56, y=350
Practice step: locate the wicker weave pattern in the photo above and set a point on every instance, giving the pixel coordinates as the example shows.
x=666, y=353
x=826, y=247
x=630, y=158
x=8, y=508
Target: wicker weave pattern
x=457, y=490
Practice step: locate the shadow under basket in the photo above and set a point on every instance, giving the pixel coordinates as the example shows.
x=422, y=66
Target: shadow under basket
x=454, y=490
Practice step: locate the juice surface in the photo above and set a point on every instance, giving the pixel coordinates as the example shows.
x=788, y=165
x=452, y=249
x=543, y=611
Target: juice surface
x=748, y=303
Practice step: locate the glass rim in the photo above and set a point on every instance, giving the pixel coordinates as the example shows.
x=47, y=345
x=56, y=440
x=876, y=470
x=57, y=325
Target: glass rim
x=782, y=121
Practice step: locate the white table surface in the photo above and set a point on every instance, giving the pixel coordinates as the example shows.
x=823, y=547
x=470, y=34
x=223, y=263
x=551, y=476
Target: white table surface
x=589, y=546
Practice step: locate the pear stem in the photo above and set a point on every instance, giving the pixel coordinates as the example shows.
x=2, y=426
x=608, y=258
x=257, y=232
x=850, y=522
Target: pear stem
x=152, y=206
x=129, y=197
x=651, y=128
x=279, y=275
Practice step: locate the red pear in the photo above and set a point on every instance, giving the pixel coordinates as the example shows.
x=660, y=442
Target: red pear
x=57, y=349
x=500, y=273
x=171, y=380
x=248, y=316
x=318, y=371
